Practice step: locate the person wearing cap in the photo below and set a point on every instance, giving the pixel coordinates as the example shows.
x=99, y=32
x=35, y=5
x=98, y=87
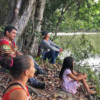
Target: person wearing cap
x=48, y=49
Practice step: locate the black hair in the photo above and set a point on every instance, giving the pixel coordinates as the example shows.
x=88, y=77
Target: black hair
x=44, y=34
x=9, y=29
x=20, y=64
x=67, y=64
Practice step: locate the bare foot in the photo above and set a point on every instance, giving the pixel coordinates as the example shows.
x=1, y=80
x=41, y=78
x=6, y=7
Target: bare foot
x=91, y=87
x=91, y=92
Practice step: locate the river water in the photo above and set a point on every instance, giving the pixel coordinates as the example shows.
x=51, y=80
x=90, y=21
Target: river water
x=75, y=33
x=94, y=62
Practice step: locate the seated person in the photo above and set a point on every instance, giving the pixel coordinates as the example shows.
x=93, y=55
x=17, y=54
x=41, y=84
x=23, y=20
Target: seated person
x=8, y=48
x=21, y=69
x=48, y=49
x=71, y=79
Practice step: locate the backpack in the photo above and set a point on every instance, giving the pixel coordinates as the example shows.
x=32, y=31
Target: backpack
x=38, y=53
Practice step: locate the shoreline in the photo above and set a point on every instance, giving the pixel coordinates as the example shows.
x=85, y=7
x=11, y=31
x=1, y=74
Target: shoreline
x=74, y=33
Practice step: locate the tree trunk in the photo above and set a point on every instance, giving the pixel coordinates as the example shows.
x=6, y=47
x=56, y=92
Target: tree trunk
x=37, y=25
x=19, y=13
x=20, y=22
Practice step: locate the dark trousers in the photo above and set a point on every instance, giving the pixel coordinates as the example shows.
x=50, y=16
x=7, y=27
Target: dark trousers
x=51, y=55
x=33, y=81
x=38, y=68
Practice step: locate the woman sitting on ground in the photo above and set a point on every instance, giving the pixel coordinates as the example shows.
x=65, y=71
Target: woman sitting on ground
x=71, y=79
x=21, y=68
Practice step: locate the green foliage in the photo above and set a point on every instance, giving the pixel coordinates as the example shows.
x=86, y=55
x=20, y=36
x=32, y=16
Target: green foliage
x=1, y=28
x=1, y=31
x=84, y=49
x=3, y=10
x=80, y=15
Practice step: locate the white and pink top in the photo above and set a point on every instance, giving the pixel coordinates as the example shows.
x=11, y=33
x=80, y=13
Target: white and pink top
x=69, y=84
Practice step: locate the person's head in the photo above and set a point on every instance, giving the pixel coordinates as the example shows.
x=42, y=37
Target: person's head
x=19, y=66
x=45, y=35
x=67, y=64
x=10, y=32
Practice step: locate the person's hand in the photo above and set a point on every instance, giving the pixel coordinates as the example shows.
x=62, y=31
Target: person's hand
x=19, y=53
x=85, y=75
x=60, y=50
x=12, y=55
x=80, y=74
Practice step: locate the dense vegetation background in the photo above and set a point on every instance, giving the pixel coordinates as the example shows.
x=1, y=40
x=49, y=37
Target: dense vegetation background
x=30, y=17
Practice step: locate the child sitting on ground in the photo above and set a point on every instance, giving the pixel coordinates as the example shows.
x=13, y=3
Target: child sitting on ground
x=71, y=79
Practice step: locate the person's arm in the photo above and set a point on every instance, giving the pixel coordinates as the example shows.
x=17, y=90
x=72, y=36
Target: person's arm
x=6, y=51
x=77, y=78
x=11, y=55
x=75, y=73
x=18, y=95
x=48, y=46
x=53, y=44
x=18, y=53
